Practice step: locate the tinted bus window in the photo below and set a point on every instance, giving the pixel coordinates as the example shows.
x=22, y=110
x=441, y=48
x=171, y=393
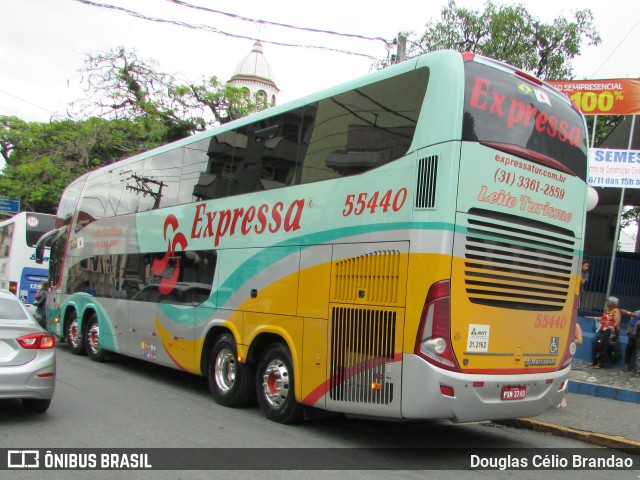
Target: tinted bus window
x=364, y=128
x=69, y=201
x=131, y=276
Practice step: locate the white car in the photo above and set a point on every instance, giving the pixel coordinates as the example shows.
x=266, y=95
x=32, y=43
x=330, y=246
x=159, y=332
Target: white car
x=27, y=356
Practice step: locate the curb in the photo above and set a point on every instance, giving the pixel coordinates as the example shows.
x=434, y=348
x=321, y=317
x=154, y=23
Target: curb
x=599, y=439
x=604, y=391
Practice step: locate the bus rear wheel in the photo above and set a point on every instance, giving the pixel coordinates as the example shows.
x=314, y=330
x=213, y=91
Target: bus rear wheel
x=230, y=381
x=275, y=386
x=92, y=340
x=73, y=335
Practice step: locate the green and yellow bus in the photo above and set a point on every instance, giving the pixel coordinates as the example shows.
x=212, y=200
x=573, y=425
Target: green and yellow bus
x=403, y=246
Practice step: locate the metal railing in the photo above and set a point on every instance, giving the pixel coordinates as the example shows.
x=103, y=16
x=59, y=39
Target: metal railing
x=625, y=284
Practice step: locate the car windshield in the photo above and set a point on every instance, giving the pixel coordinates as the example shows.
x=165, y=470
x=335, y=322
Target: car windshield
x=11, y=310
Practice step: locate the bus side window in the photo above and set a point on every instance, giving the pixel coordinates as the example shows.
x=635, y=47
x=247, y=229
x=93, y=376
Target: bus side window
x=365, y=128
x=194, y=165
x=260, y=156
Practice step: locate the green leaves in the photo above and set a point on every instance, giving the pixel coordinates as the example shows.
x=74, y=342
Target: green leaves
x=43, y=158
x=511, y=34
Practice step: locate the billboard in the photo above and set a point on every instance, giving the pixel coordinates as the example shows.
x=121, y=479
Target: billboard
x=619, y=96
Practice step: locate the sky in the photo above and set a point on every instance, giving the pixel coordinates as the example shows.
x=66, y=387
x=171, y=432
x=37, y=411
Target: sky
x=44, y=43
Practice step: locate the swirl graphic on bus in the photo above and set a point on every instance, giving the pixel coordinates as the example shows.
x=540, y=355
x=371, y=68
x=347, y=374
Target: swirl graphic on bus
x=170, y=261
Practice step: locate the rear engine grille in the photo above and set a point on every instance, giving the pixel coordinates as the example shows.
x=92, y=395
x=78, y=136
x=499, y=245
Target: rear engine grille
x=517, y=263
x=374, y=278
x=362, y=344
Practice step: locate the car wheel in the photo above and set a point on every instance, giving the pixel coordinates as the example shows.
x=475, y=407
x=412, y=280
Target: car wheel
x=275, y=386
x=73, y=335
x=92, y=340
x=230, y=381
x=36, y=405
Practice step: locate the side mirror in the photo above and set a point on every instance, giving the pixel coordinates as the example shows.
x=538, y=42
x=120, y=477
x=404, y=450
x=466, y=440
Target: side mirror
x=40, y=253
x=44, y=242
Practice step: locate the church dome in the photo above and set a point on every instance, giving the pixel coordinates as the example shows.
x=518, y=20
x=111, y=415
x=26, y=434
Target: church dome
x=254, y=65
x=254, y=75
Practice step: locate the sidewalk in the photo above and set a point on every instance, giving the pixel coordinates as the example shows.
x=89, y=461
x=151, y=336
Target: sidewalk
x=593, y=393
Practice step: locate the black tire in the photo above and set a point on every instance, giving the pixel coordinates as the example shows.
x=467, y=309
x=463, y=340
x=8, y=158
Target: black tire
x=275, y=386
x=230, y=381
x=92, y=340
x=73, y=335
x=36, y=405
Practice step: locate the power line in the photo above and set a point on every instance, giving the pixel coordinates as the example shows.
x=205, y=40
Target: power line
x=215, y=30
x=614, y=50
x=276, y=24
x=31, y=103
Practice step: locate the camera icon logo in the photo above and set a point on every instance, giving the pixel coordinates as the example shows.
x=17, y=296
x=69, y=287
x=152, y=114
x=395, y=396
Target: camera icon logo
x=23, y=459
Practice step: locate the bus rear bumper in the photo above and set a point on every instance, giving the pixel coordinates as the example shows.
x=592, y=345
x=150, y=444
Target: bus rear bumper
x=429, y=393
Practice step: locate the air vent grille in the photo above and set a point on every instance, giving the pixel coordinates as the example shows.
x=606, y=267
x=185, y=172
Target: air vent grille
x=426, y=182
x=362, y=345
x=374, y=278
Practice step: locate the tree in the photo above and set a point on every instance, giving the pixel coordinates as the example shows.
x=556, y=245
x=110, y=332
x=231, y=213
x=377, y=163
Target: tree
x=11, y=132
x=118, y=84
x=511, y=34
x=43, y=158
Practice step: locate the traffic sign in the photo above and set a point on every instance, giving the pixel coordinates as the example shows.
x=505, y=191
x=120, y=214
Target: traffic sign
x=9, y=204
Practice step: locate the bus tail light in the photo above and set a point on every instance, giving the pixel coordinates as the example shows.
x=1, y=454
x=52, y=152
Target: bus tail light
x=13, y=288
x=434, y=335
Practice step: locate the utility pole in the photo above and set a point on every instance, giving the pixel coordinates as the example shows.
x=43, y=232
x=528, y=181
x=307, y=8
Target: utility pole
x=402, y=48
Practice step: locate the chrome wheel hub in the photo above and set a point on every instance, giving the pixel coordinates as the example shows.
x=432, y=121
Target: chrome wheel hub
x=74, y=334
x=225, y=370
x=93, y=338
x=275, y=383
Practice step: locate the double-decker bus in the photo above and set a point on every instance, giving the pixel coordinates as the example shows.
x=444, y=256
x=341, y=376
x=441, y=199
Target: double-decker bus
x=404, y=246
x=19, y=272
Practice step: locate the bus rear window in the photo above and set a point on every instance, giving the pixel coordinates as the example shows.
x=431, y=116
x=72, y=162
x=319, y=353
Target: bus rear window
x=503, y=108
x=37, y=225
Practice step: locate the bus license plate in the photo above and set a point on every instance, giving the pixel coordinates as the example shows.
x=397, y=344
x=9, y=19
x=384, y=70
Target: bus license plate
x=514, y=392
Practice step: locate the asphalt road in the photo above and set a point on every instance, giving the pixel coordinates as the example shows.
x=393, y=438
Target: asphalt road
x=131, y=404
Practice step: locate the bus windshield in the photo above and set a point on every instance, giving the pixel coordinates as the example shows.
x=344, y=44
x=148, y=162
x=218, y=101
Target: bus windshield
x=509, y=110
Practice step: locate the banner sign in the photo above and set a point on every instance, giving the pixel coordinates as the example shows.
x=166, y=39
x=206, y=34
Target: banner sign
x=619, y=96
x=614, y=168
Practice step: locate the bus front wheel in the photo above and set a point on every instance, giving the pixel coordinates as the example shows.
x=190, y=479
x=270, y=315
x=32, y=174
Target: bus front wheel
x=230, y=381
x=275, y=386
x=73, y=335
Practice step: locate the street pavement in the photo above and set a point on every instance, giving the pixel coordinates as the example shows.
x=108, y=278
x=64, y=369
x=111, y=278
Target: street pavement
x=603, y=409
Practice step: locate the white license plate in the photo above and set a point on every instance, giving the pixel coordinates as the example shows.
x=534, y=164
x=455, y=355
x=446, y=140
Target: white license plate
x=514, y=392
